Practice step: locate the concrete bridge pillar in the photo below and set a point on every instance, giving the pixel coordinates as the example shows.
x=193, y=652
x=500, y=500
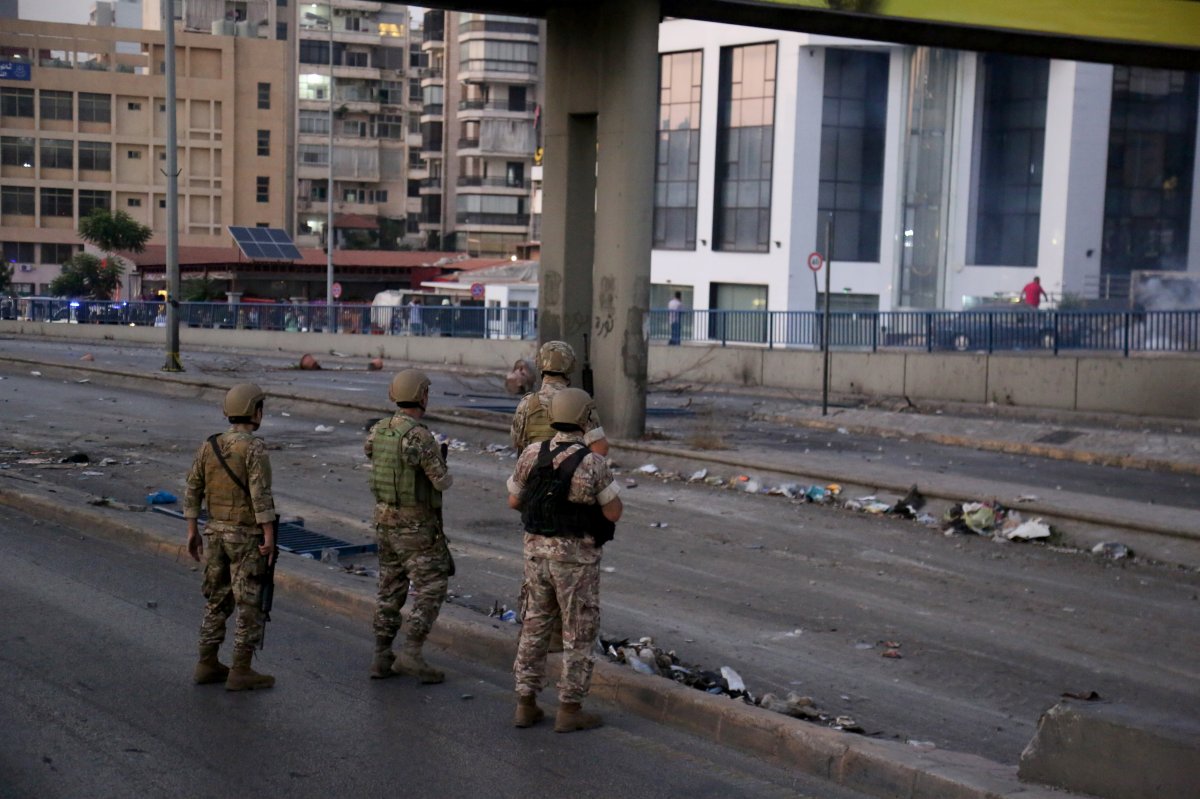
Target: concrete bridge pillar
x=598, y=205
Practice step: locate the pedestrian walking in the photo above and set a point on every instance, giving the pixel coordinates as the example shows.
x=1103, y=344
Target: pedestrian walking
x=569, y=506
x=1034, y=293
x=408, y=476
x=674, y=306
x=231, y=476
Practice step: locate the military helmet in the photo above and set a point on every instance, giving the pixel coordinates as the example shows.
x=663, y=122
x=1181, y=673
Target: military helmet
x=556, y=356
x=241, y=400
x=410, y=387
x=571, y=407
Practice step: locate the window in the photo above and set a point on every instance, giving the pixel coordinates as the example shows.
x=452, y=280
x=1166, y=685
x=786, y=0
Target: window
x=264, y=96
x=134, y=106
x=380, y=196
x=58, y=202
x=853, y=123
x=56, y=105
x=133, y=154
x=281, y=31
x=134, y=202
x=95, y=107
x=264, y=142
x=677, y=173
x=162, y=108
x=1007, y=191
x=16, y=200
x=16, y=151
x=391, y=92
x=16, y=102
x=357, y=59
x=262, y=189
x=19, y=252
x=90, y=200
x=414, y=188
x=314, y=122
x=318, y=192
x=57, y=154
x=390, y=126
x=162, y=203
x=56, y=253
x=745, y=148
x=95, y=155
x=498, y=56
x=314, y=155
x=355, y=23
x=1151, y=157
x=317, y=52
x=354, y=195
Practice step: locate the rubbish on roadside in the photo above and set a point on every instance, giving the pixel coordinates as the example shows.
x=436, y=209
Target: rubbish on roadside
x=284, y=413
x=76, y=457
x=1028, y=531
x=1085, y=696
x=714, y=480
x=323, y=428
x=1113, y=550
x=635, y=660
x=337, y=354
x=375, y=364
x=308, y=363
x=846, y=724
x=927, y=520
x=498, y=448
x=747, y=484
x=834, y=489
x=34, y=461
x=732, y=679
x=109, y=462
x=843, y=431
x=90, y=473
x=663, y=525
x=80, y=381
x=864, y=645
x=789, y=490
x=876, y=508
x=509, y=616
x=630, y=482
x=36, y=373
x=794, y=705
x=88, y=357
x=329, y=555
x=465, y=697
x=1028, y=498
x=921, y=744
x=697, y=476
x=893, y=654
x=978, y=517
x=608, y=569
x=161, y=498
x=109, y=502
x=912, y=502
x=648, y=468
x=816, y=494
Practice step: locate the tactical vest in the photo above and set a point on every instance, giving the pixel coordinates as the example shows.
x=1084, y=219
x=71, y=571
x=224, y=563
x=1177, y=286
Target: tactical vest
x=394, y=479
x=537, y=421
x=545, y=507
x=226, y=501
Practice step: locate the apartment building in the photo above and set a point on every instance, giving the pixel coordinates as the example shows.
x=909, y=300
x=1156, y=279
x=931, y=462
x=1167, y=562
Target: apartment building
x=944, y=177
x=83, y=125
x=480, y=115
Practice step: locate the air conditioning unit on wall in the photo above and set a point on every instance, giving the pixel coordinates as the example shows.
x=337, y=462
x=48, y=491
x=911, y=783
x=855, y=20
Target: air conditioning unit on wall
x=26, y=267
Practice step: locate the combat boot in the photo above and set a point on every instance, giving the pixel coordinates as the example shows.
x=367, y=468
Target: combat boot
x=242, y=677
x=210, y=670
x=571, y=718
x=411, y=663
x=381, y=666
x=528, y=712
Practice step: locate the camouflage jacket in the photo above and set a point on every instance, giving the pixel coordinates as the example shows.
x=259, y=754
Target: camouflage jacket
x=551, y=385
x=208, y=484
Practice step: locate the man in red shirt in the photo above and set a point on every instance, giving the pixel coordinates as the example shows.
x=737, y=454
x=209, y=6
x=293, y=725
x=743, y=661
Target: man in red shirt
x=1034, y=293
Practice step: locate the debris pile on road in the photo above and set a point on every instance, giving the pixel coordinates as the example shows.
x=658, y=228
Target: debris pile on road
x=993, y=519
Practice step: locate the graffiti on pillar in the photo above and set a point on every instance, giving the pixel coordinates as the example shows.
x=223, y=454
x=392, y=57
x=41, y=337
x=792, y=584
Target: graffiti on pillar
x=576, y=322
x=606, y=301
x=604, y=325
x=552, y=289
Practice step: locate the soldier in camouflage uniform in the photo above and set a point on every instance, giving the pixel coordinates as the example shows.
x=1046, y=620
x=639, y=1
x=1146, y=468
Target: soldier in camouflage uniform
x=408, y=476
x=562, y=551
x=531, y=421
x=231, y=474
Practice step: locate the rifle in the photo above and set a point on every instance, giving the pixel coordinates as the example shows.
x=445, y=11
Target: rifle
x=585, y=376
x=441, y=523
x=266, y=597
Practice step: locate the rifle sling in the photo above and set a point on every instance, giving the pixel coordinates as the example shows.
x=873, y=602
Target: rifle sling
x=237, y=481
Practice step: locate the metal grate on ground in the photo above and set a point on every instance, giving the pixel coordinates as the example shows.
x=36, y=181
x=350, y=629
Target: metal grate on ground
x=294, y=537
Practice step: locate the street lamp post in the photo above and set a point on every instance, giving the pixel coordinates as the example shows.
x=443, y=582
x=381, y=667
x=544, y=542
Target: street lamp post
x=329, y=190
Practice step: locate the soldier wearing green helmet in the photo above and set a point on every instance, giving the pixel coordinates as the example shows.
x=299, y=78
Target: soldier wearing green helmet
x=231, y=475
x=408, y=476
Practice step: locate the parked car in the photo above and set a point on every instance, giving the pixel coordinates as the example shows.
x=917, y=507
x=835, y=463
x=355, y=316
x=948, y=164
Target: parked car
x=1013, y=328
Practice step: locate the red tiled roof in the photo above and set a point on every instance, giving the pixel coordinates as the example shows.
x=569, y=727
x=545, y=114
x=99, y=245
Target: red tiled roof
x=155, y=255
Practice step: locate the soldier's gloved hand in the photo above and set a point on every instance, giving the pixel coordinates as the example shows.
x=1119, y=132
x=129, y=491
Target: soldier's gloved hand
x=195, y=543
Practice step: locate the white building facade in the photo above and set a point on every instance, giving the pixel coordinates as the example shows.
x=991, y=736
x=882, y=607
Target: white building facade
x=946, y=177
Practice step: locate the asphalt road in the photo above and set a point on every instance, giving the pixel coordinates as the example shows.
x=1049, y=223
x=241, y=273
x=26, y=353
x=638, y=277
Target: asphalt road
x=795, y=597
x=97, y=645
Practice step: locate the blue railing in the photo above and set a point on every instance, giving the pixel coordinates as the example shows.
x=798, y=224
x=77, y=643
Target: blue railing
x=931, y=331
x=433, y=320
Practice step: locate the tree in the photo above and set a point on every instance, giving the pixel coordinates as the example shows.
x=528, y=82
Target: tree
x=201, y=289
x=85, y=275
x=113, y=232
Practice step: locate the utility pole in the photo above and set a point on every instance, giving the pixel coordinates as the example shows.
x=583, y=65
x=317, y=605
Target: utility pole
x=173, y=363
x=329, y=193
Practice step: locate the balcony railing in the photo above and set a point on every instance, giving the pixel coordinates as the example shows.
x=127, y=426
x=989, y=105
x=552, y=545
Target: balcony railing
x=468, y=144
x=495, y=105
x=499, y=26
x=472, y=218
x=431, y=183
x=431, y=110
x=502, y=183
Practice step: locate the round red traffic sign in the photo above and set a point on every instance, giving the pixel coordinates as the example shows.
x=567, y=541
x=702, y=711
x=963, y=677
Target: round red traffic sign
x=337, y=291
x=477, y=291
x=815, y=261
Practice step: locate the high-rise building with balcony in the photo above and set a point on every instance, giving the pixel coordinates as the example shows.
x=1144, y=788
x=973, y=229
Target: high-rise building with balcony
x=365, y=104
x=481, y=99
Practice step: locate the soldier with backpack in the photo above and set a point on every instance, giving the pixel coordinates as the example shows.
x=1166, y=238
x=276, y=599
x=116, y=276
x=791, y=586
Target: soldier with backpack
x=569, y=506
x=408, y=476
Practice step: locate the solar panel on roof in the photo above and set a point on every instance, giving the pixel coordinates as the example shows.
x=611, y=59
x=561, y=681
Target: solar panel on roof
x=264, y=243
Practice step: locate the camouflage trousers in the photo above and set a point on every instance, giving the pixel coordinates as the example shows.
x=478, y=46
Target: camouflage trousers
x=554, y=589
x=412, y=560
x=233, y=571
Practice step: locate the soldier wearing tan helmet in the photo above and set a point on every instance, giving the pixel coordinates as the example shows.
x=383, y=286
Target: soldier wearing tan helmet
x=408, y=476
x=231, y=475
x=531, y=422
x=569, y=506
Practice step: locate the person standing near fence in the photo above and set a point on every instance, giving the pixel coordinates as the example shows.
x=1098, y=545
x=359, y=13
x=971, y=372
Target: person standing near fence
x=674, y=307
x=414, y=316
x=1034, y=293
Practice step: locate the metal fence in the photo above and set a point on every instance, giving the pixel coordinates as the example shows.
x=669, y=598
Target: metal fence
x=989, y=331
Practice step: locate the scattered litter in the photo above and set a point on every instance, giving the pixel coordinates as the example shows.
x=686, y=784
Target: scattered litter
x=509, y=616
x=894, y=654
x=733, y=679
x=337, y=354
x=36, y=373
x=109, y=462
x=1028, y=531
x=912, y=502
x=375, y=364
x=630, y=482
x=83, y=380
x=816, y=494
x=789, y=490
x=109, y=502
x=329, y=555
x=663, y=525
x=697, y=476
x=834, y=489
x=794, y=705
x=1113, y=550
x=713, y=480
x=1028, y=498
x=746, y=483
x=921, y=744
x=864, y=645
x=1085, y=696
x=876, y=507
x=76, y=457
x=927, y=520
x=88, y=357
x=90, y=473
x=843, y=431
x=284, y=413
x=322, y=428
x=495, y=448
x=308, y=363
x=465, y=697
x=151, y=604
x=608, y=569
x=846, y=724
x=648, y=468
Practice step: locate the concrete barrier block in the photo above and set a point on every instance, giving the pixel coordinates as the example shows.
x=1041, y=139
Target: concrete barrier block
x=813, y=749
x=944, y=376
x=1166, y=386
x=1114, y=752
x=875, y=374
x=1032, y=381
x=879, y=769
x=737, y=365
x=799, y=370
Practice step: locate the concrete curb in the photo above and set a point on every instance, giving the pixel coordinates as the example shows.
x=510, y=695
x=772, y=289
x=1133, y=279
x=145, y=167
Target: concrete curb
x=881, y=768
x=743, y=462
